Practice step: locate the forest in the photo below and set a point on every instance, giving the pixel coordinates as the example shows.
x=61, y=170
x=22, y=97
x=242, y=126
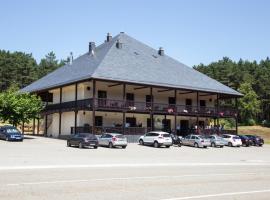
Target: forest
x=251, y=78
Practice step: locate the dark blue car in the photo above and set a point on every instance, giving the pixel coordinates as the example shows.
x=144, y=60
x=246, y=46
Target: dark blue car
x=256, y=140
x=10, y=133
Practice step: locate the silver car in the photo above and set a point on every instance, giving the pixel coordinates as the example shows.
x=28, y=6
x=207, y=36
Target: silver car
x=196, y=141
x=217, y=141
x=113, y=140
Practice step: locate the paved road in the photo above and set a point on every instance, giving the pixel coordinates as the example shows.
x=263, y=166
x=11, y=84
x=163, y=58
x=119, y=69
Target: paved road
x=42, y=168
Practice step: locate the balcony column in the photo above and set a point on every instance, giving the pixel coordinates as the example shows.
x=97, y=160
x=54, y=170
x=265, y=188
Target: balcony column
x=60, y=113
x=218, y=113
x=124, y=112
x=76, y=108
x=236, y=116
x=46, y=116
x=151, y=112
x=34, y=126
x=197, y=117
x=175, y=111
x=93, y=106
x=38, y=126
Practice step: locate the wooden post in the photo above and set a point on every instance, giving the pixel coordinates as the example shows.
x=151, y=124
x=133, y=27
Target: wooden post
x=34, y=126
x=236, y=117
x=218, y=113
x=38, y=126
x=93, y=106
x=76, y=108
x=46, y=125
x=197, y=118
x=175, y=111
x=124, y=112
x=151, y=112
x=60, y=113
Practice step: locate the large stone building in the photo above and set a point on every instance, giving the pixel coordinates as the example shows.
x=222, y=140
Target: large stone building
x=126, y=86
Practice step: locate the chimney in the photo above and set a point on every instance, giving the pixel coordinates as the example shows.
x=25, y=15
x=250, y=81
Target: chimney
x=109, y=37
x=161, y=51
x=92, y=47
x=118, y=44
x=71, y=58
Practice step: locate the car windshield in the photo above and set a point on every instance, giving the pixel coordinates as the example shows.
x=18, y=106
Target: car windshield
x=166, y=135
x=87, y=135
x=13, y=131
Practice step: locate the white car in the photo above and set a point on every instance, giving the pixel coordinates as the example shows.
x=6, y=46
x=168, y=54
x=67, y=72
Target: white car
x=113, y=140
x=156, y=138
x=232, y=140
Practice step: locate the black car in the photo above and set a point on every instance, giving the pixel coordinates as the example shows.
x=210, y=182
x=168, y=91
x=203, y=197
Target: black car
x=82, y=140
x=10, y=133
x=256, y=140
x=245, y=140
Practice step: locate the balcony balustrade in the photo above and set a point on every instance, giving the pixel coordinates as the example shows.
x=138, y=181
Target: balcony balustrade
x=140, y=107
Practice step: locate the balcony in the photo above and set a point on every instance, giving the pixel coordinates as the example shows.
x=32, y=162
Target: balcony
x=111, y=105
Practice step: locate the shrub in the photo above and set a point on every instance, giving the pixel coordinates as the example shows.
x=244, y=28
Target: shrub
x=250, y=122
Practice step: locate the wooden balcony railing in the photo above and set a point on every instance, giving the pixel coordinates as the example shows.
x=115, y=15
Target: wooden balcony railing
x=141, y=107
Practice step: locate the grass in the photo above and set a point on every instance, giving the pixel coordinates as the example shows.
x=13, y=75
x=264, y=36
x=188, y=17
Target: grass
x=264, y=132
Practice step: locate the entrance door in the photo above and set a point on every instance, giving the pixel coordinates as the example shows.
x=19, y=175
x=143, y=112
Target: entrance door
x=131, y=121
x=184, y=126
x=166, y=123
x=98, y=121
x=148, y=100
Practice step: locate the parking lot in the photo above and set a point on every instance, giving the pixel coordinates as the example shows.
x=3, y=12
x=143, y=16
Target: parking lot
x=44, y=168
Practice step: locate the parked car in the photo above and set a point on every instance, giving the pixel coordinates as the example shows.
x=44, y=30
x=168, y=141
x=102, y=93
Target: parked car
x=82, y=140
x=176, y=140
x=156, y=138
x=232, y=140
x=10, y=133
x=196, y=141
x=217, y=141
x=256, y=140
x=246, y=141
x=113, y=140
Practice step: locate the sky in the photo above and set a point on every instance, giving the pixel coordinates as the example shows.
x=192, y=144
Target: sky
x=191, y=31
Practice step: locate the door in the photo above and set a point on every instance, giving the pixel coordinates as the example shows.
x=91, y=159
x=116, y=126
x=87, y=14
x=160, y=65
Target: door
x=148, y=100
x=184, y=126
x=98, y=121
x=202, y=105
x=131, y=121
x=171, y=101
x=102, y=98
x=130, y=99
x=166, y=123
x=189, y=105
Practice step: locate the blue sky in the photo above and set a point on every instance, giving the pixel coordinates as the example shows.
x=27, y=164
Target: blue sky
x=192, y=31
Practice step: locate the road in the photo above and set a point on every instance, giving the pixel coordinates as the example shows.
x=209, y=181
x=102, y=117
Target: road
x=42, y=168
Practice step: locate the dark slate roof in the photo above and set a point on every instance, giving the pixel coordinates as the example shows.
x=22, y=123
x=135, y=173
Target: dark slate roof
x=135, y=62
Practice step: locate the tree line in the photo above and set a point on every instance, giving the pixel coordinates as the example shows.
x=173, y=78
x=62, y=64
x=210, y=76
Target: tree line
x=252, y=79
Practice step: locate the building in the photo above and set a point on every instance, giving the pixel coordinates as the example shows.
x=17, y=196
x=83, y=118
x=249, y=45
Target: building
x=126, y=86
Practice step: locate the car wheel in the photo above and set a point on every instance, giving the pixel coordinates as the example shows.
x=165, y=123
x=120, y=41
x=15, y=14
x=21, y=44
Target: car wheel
x=156, y=144
x=68, y=144
x=196, y=145
x=168, y=146
x=95, y=147
x=110, y=145
x=7, y=139
x=230, y=144
x=221, y=146
x=179, y=145
x=141, y=142
x=213, y=144
x=80, y=145
x=123, y=147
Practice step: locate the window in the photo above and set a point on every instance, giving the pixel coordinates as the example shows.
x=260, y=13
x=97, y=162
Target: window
x=193, y=137
x=171, y=100
x=202, y=103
